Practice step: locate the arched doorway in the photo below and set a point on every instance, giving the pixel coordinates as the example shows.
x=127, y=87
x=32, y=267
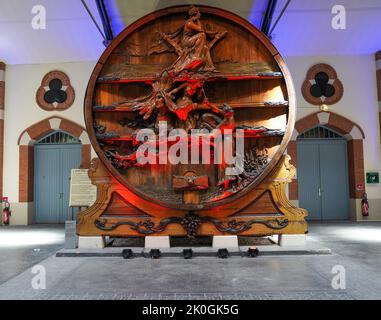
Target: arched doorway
x=323, y=174
x=354, y=137
x=27, y=141
x=55, y=155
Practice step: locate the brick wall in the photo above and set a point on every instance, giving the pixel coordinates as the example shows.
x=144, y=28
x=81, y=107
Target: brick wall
x=378, y=75
x=26, y=174
x=2, y=106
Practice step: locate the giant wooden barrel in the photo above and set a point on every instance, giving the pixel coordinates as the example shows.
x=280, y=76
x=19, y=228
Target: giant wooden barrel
x=241, y=74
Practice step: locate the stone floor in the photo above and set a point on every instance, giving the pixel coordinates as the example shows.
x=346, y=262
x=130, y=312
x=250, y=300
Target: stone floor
x=355, y=246
x=23, y=247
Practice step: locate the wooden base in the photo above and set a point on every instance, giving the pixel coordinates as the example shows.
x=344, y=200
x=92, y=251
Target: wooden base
x=119, y=212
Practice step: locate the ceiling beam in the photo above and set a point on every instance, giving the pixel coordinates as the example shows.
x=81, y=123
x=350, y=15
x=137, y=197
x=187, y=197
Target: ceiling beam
x=93, y=19
x=105, y=22
x=267, y=17
x=280, y=16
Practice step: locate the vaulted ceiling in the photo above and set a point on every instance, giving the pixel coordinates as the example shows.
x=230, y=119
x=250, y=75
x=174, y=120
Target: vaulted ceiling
x=70, y=34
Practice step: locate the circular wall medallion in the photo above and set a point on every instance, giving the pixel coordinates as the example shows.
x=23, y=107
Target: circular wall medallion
x=322, y=85
x=55, y=92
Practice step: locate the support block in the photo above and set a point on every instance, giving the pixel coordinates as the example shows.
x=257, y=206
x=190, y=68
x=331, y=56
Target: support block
x=156, y=242
x=90, y=242
x=71, y=238
x=286, y=240
x=227, y=242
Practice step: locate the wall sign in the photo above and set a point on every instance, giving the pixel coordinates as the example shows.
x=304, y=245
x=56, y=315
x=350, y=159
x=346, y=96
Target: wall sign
x=82, y=192
x=372, y=177
x=55, y=92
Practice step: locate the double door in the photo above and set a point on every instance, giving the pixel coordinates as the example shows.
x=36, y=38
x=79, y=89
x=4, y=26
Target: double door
x=53, y=164
x=323, y=178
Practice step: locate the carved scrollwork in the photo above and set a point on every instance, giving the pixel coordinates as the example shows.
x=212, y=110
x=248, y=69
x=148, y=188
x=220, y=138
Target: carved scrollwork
x=191, y=223
x=234, y=226
x=143, y=227
x=93, y=165
x=288, y=172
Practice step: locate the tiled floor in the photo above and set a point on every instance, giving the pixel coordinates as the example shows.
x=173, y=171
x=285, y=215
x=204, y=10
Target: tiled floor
x=355, y=246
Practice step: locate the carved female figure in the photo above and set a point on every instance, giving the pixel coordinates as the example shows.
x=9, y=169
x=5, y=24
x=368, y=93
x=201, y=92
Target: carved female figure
x=194, y=43
x=191, y=44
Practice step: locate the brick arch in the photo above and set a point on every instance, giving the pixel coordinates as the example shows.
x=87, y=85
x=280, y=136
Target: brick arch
x=346, y=127
x=354, y=135
x=35, y=132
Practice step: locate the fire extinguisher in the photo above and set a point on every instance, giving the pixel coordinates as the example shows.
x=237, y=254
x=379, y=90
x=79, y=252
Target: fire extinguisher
x=6, y=211
x=365, y=205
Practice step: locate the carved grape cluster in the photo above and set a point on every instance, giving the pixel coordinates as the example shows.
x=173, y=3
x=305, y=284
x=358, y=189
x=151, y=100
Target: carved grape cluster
x=191, y=222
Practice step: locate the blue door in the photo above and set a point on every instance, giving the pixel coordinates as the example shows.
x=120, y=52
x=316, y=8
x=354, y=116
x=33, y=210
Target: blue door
x=308, y=174
x=71, y=159
x=322, y=176
x=334, y=180
x=53, y=164
x=47, y=184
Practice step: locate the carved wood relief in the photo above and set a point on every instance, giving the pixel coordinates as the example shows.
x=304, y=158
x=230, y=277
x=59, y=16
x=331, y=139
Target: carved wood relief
x=185, y=67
